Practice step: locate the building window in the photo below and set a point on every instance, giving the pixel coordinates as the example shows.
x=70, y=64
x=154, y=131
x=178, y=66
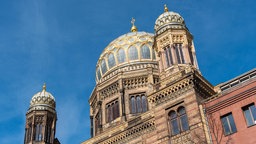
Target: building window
x=191, y=55
x=111, y=61
x=183, y=119
x=145, y=52
x=49, y=129
x=228, y=124
x=133, y=53
x=38, y=136
x=103, y=67
x=138, y=103
x=121, y=56
x=179, y=53
x=178, y=121
x=168, y=56
x=112, y=111
x=98, y=73
x=250, y=114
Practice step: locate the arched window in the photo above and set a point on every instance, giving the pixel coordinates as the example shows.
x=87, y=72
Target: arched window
x=111, y=60
x=112, y=111
x=179, y=53
x=178, y=121
x=174, y=123
x=183, y=119
x=133, y=105
x=121, y=56
x=138, y=100
x=144, y=103
x=98, y=73
x=145, y=52
x=133, y=53
x=138, y=103
x=103, y=67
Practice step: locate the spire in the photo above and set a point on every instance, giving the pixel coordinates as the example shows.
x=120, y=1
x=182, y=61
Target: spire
x=44, y=87
x=165, y=8
x=134, y=28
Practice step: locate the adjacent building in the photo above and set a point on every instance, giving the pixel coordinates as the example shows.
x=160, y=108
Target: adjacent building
x=231, y=114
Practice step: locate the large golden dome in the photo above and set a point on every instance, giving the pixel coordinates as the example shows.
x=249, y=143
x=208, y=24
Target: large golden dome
x=42, y=100
x=130, y=48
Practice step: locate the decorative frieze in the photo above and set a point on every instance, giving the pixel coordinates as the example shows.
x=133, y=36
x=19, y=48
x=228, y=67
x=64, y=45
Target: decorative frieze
x=177, y=38
x=171, y=92
x=164, y=42
x=109, y=90
x=135, y=82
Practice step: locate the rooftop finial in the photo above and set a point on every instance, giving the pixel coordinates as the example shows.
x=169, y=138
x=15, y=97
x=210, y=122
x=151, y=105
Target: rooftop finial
x=134, y=28
x=165, y=8
x=44, y=87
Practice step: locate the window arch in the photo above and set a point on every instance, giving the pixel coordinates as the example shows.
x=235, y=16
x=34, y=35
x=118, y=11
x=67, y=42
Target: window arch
x=174, y=123
x=98, y=73
x=121, y=56
x=145, y=52
x=133, y=53
x=112, y=111
x=38, y=136
x=183, y=119
x=111, y=60
x=133, y=105
x=179, y=53
x=103, y=67
x=178, y=121
x=138, y=100
x=144, y=103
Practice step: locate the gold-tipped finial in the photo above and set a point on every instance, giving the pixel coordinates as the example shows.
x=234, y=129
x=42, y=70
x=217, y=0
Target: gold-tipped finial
x=134, y=28
x=44, y=87
x=165, y=8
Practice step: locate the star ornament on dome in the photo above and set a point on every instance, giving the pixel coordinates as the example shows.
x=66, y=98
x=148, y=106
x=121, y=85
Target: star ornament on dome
x=132, y=21
x=134, y=28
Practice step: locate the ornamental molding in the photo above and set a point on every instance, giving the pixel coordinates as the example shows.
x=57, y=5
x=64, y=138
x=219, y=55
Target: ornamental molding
x=109, y=90
x=127, y=69
x=171, y=92
x=135, y=82
x=131, y=133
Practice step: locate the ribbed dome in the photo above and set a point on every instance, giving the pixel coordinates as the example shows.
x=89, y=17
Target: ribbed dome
x=42, y=100
x=170, y=19
x=130, y=48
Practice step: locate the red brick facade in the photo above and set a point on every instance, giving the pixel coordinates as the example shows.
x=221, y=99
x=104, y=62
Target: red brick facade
x=234, y=96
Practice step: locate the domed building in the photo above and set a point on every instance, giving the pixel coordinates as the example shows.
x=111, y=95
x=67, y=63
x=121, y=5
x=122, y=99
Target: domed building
x=149, y=90
x=149, y=87
x=41, y=119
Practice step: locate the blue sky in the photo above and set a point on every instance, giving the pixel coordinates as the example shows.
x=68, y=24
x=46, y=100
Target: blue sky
x=59, y=42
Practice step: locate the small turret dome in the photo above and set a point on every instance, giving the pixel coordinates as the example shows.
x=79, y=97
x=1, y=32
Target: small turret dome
x=42, y=101
x=169, y=19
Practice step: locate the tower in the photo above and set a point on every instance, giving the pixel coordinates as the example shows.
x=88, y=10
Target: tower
x=173, y=43
x=41, y=119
